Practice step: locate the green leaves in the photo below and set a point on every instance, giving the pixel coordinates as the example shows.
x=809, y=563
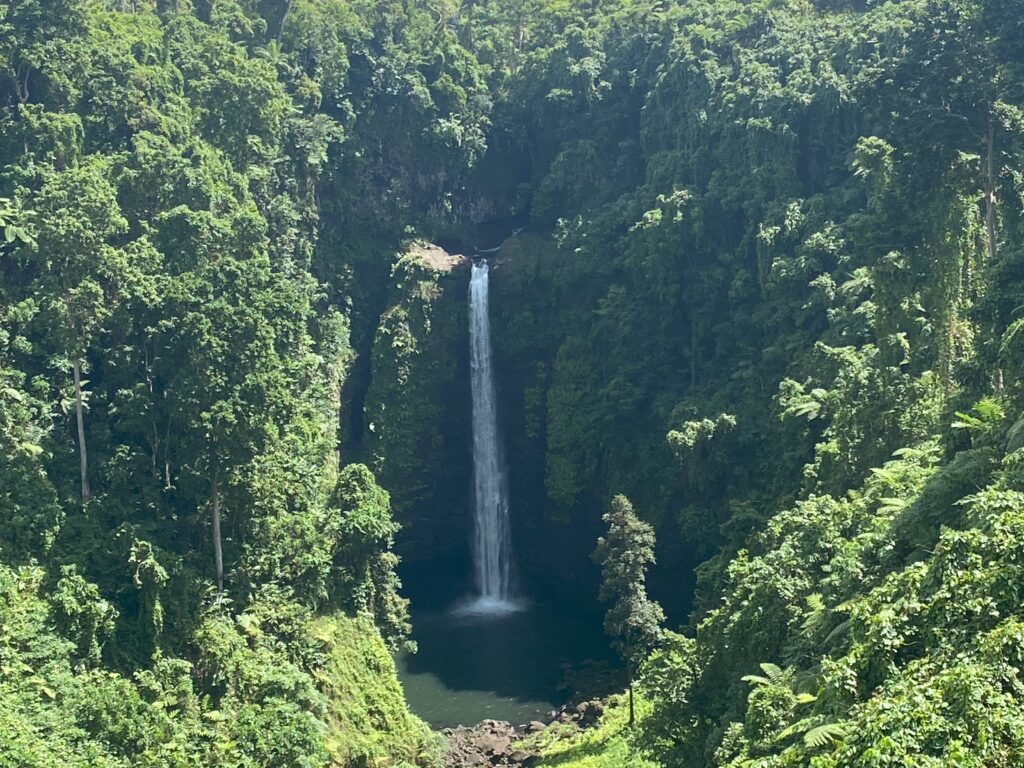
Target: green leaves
x=825, y=735
x=624, y=554
x=798, y=403
x=773, y=675
x=987, y=414
x=13, y=222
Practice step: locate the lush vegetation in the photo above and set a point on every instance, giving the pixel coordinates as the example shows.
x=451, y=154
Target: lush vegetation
x=190, y=574
x=791, y=340
x=769, y=288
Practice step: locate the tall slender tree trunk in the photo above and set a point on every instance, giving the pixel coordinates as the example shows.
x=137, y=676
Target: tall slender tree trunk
x=693, y=354
x=990, y=191
x=467, y=28
x=284, y=20
x=167, y=454
x=83, y=459
x=629, y=680
x=218, y=554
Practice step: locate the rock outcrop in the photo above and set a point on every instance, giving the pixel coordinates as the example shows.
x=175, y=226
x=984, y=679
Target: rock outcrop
x=489, y=743
x=417, y=431
x=495, y=743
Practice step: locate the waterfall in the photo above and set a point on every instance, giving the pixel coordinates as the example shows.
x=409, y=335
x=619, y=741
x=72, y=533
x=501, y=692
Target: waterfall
x=492, y=537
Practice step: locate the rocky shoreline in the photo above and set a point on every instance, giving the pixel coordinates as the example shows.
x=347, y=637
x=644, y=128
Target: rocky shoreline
x=495, y=743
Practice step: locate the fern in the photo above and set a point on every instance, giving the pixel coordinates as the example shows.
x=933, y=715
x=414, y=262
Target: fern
x=886, y=474
x=810, y=409
x=988, y=412
x=989, y=409
x=966, y=421
x=892, y=505
x=840, y=629
x=800, y=726
x=773, y=674
x=815, y=613
x=823, y=735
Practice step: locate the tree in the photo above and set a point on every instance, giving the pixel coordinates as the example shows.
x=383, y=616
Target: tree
x=78, y=270
x=633, y=621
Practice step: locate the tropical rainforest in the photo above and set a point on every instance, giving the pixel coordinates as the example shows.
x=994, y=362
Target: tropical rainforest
x=757, y=288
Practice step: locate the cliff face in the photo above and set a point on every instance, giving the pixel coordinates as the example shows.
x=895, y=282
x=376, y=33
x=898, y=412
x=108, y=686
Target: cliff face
x=586, y=389
x=553, y=377
x=417, y=428
x=417, y=417
x=532, y=306
x=417, y=432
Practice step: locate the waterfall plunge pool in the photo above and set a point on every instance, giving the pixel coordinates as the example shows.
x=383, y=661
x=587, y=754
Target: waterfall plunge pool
x=494, y=657
x=512, y=665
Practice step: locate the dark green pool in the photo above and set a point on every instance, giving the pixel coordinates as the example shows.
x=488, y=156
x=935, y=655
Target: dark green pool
x=513, y=666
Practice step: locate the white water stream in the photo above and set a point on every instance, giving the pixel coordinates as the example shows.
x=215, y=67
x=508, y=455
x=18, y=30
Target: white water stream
x=492, y=547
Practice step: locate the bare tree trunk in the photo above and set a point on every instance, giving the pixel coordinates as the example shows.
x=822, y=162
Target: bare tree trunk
x=167, y=455
x=467, y=28
x=83, y=459
x=218, y=554
x=693, y=354
x=629, y=679
x=990, y=192
x=21, y=83
x=155, y=448
x=284, y=20
x=155, y=452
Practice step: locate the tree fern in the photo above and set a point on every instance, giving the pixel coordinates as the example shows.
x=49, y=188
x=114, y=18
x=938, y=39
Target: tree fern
x=815, y=614
x=816, y=734
x=986, y=414
x=825, y=734
x=773, y=675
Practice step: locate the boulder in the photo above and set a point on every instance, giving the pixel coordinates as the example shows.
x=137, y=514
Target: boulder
x=489, y=743
x=493, y=743
x=589, y=713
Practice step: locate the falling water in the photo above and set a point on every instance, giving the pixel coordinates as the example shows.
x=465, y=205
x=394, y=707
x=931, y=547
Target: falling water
x=491, y=544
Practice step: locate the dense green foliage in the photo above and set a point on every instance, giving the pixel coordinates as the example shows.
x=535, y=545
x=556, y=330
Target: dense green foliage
x=769, y=288
x=178, y=535
x=778, y=307
x=606, y=746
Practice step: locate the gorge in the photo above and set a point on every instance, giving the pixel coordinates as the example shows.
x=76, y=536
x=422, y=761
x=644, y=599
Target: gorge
x=726, y=421
x=496, y=652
